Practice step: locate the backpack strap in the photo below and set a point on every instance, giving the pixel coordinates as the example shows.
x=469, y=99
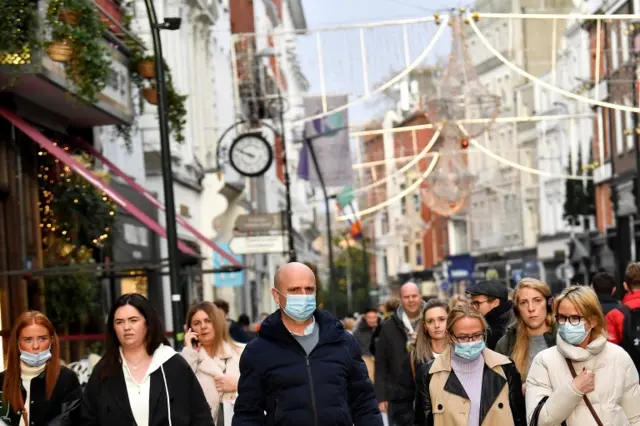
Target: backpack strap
x=624, y=309
x=626, y=322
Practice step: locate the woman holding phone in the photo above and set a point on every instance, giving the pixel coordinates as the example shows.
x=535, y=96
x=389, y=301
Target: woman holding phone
x=214, y=358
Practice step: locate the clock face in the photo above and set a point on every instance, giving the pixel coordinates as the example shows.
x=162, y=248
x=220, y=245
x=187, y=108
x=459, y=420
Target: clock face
x=250, y=155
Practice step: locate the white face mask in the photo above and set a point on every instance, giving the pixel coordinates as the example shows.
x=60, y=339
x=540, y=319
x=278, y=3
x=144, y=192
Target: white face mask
x=36, y=360
x=299, y=307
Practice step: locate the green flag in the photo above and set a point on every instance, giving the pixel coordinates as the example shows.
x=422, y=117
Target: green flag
x=345, y=197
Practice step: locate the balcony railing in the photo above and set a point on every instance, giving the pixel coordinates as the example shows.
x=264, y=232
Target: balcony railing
x=39, y=73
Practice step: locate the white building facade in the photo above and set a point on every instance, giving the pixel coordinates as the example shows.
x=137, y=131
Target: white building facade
x=263, y=55
x=502, y=219
x=560, y=142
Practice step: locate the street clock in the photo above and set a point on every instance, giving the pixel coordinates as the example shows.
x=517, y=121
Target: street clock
x=251, y=155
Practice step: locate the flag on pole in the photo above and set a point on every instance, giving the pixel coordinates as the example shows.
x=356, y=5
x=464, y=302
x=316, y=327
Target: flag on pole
x=345, y=197
x=303, y=164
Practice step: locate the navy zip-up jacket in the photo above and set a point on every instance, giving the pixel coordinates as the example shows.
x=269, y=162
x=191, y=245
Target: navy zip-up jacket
x=280, y=385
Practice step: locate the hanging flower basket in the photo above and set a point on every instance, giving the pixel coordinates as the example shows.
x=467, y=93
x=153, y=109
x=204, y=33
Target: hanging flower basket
x=60, y=51
x=147, y=69
x=151, y=95
x=68, y=16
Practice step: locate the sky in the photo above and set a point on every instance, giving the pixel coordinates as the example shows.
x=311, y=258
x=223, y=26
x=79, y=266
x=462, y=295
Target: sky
x=322, y=13
x=342, y=53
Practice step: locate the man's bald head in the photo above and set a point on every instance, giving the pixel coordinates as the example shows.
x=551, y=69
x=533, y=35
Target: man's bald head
x=409, y=287
x=411, y=299
x=293, y=269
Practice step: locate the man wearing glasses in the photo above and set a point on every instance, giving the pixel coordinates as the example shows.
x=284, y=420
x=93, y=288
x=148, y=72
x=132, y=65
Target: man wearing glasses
x=491, y=299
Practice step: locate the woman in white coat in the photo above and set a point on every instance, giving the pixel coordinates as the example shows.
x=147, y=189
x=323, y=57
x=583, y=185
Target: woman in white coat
x=584, y=380
x=214, y=358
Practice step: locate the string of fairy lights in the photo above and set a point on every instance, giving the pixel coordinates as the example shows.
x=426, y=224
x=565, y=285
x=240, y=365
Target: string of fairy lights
x=72, y=211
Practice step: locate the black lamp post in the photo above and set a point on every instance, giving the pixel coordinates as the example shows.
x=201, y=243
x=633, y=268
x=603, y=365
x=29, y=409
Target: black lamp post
x=165, y=157
x=287, y=179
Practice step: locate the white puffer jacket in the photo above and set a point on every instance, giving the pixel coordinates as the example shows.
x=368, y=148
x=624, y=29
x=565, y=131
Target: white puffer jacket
x=616, y=398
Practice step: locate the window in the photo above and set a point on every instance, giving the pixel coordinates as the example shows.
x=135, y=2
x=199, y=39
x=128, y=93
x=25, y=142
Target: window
x=614, y=47
x=624, y=42
x=407, y=254
x=384, y=223
x=628, y=123
x=416, y=202
x=418, y=254
x=403, y=206
x=619, y=135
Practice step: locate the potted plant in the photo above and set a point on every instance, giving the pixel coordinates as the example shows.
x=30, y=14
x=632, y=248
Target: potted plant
x=69, y=16
x=146, y=67
x=150, y=94
x=176, y=109
x=89, y=57
x=60, y=50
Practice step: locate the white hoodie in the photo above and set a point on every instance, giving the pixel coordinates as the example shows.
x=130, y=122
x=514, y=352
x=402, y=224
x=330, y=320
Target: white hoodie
x=139, y=392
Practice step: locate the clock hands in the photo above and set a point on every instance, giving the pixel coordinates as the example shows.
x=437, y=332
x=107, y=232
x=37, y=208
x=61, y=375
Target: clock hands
x=248, y=154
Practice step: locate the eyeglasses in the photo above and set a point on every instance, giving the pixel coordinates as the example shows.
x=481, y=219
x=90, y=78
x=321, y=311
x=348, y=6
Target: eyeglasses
x=468, y=339
x=573, y=319
x=476, y=303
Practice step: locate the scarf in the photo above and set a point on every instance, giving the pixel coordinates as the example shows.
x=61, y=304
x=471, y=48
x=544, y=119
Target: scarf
x=28, y=372
x=409, y=327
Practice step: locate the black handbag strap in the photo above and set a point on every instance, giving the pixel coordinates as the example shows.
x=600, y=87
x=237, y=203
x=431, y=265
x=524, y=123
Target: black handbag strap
x=536, y=413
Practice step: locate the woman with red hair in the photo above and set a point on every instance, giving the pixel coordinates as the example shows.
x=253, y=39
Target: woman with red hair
x=36, y=390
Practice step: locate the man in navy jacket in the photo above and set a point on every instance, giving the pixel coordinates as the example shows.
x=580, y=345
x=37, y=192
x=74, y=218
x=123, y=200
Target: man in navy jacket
x=303, y=369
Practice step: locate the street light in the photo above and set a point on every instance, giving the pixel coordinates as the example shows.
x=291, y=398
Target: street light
x=171, y=24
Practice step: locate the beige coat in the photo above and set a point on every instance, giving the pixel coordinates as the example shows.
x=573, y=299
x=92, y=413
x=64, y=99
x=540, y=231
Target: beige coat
x=616, y=397
x=207, y=368
x=449, y=407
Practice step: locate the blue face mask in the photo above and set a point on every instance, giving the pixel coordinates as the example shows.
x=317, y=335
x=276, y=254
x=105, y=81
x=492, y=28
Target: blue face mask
x=470, y=350
x=35, y=360
x=300, y=307
x=573, y=334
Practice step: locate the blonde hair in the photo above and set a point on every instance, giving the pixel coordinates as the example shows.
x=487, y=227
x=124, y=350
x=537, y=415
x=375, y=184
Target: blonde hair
x=520, y=354
x=349, y=323
x=457, y=299
x=585, y=300
x=464, y=311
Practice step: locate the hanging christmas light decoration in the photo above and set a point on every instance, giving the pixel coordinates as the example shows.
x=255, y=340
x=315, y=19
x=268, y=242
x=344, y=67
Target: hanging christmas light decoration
x=75, y=217
x=461, y=95
x=447, y=188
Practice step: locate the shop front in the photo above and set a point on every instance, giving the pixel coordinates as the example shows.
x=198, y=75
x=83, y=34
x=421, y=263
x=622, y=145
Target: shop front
x=511, y=266
x=459, y=274
x=552, y=252
x=135, y=253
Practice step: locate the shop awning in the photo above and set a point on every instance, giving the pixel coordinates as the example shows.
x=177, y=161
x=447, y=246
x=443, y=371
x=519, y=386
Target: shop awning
x=153, y=200
x=67, y=159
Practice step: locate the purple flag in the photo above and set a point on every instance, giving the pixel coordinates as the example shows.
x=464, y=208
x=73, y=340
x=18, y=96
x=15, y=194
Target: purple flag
x=303, y=164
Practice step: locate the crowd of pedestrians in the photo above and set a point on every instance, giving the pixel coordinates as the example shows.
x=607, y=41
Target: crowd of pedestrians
x=491, y=357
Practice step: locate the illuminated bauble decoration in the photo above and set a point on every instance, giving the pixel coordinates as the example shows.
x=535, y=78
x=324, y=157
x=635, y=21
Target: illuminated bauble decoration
x=451, y=182
x=464, y=143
